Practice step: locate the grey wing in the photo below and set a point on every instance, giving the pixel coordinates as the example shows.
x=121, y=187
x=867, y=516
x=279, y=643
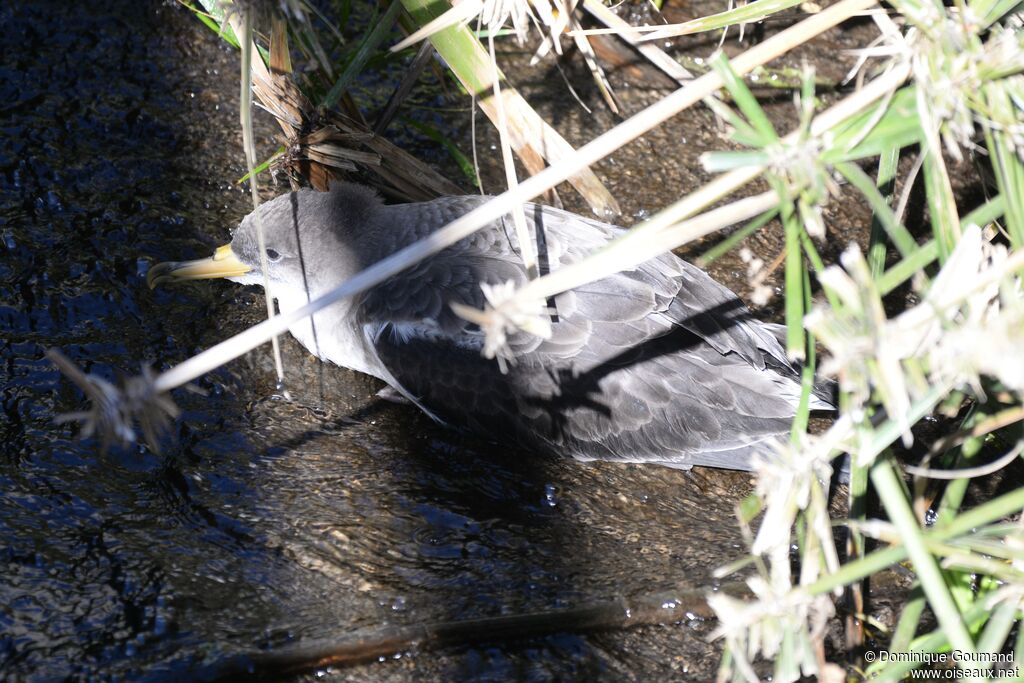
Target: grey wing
x=671, y=399
x=637, y=368
x=418, y=302
x=676, y=292
x=433, y=356
x=687, y=296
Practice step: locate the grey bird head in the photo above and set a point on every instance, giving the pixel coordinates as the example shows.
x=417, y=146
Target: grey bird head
x=306, y=236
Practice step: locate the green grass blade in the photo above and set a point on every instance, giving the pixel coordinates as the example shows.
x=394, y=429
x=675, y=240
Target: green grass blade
x=868, y=135
x=381, y=30
x=968, y=522
x=941, y=203
x=936, y=641
x=991, y=11
x=886, y=182
x=803, y=411
x=465, y=163
x=215, y=10
x=723, y=161
x=998, y=629
x=987, y=212
x=1006, y=164
x=742, y=132
x=744, y=14
x=730, y=242
x=910, y=619
x=796, y=341
x=261, y=167
x=897, y=232
x=893, y=496
x=744, y=99
x=226, y=33
x=814, y=257
x=928, y=252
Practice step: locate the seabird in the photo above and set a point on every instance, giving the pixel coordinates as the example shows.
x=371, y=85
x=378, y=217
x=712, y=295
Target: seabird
x=657, y=364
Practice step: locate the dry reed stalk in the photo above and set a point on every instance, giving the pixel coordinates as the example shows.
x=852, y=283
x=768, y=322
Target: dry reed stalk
x=325, y=146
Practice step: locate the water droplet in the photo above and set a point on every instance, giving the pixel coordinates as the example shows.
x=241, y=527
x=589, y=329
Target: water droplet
x=549, y=495
x=281, y=391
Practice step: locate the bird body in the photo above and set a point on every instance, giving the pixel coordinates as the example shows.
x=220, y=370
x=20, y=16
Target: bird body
x=658, y=363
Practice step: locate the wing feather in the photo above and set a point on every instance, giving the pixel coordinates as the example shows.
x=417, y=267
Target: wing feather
x=655, y=364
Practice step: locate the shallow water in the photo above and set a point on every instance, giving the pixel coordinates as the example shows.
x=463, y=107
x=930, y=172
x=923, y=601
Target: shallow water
x=264, y=522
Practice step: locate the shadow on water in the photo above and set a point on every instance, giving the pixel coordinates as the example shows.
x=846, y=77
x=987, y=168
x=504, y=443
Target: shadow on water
x=264, y=522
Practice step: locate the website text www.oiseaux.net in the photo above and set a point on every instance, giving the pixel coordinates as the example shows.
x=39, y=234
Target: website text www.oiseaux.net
x=955, y=665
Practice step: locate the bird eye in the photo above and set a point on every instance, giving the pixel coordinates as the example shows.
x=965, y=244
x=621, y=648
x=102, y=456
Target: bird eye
x=273, y=255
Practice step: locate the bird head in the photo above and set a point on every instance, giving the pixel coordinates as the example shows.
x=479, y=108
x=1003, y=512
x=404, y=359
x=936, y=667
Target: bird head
x=303, y=243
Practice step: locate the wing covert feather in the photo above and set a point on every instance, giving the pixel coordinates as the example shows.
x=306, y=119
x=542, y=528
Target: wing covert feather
x=655, y=364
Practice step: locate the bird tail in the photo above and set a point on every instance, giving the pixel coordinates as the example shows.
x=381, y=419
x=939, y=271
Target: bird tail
x=825, y=390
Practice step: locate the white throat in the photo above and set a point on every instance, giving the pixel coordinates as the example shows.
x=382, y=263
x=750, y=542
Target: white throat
x=330, y=334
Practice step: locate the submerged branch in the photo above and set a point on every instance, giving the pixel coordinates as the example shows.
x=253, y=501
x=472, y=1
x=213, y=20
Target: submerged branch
x=368, y=646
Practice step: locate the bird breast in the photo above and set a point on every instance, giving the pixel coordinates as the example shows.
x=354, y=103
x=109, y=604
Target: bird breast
x=330, y=334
